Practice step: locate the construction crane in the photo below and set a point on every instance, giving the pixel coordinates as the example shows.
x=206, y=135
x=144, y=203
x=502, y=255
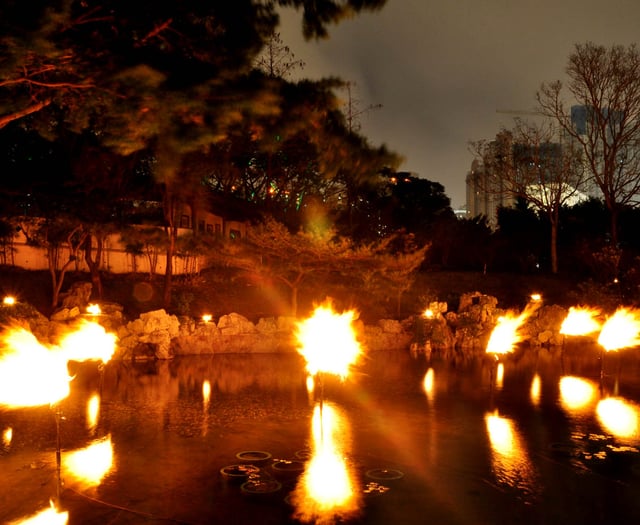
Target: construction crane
x=528, y=112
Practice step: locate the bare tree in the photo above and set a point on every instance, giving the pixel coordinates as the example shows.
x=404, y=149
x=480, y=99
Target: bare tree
x=532, y=163
x=277, y=60
x=603, y=120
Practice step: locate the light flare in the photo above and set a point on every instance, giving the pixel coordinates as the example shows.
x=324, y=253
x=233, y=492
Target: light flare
x=621, y=330
x=580, y=321
x=328, y=341
x=8, y=300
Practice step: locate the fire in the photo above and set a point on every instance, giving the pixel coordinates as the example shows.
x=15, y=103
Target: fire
x=9, y=300
x=94, y=309
x=580, y=321
x=326, y=489
x=91, y=464
x=207, y=318
x=428, y=313
x=89, y=342
x=328, y=341
x=621, y=330
x=505, y=334
x=49, y=516
x=30, y=373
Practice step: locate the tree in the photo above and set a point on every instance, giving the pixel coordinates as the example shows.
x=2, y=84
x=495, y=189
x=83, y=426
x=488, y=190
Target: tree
x=277, y=60
x=604, y=122
x=167, y=78
x=530, y=162
x=273, y=252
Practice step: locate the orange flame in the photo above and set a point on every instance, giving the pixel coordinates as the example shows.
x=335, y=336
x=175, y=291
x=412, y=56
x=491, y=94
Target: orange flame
x=621, y=330
x=505, y=334
x=580, y=321
x=88, y=343
x=328, y=341
x=30, y=373
x=94, y=309
x=9, y=300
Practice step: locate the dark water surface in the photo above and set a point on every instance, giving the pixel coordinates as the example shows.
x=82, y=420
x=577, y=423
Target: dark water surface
x=424, y=442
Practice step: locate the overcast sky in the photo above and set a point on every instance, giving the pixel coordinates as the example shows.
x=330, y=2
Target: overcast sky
x=442, y=68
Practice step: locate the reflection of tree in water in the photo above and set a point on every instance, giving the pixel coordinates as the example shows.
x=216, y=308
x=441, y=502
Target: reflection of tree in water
x=242, y=386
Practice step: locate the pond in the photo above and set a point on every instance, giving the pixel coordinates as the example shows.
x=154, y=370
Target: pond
x=537, y=437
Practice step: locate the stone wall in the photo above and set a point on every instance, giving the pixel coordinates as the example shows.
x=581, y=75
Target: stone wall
x=160, y=335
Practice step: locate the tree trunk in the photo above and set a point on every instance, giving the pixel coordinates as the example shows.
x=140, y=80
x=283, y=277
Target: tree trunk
x=554, y=246
x=168, y=274
x=94, y=263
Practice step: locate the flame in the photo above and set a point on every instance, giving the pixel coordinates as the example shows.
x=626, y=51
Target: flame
x=428, y=313
x=328, y=341
x=89, y=342
x=619, y=417
x=505, y=334
x=576, y=393
x=621, y=330
x=49, y=516
x=30, y=373
x=207, y=318
x=580, y=321
x=91, y=464
x=93, y=412
x=9, y=300
x=94, y=309
x=326, y=489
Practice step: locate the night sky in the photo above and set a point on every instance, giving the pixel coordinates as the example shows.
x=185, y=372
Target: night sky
x=442, y=69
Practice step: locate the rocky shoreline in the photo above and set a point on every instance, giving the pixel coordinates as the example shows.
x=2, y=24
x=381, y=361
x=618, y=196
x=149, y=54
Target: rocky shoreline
x=160, y=335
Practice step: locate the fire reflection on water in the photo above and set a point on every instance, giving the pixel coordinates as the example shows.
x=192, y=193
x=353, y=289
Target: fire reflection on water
x=48, y=516
x=576, y=394
x=89, y=465
x=510, y=461
x=93, y=412
x=327, y=490
x=619, y=417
